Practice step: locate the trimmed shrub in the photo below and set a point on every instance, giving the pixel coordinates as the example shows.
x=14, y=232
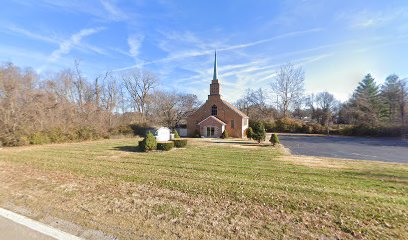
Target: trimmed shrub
x=259, y=132
x=176, y=135
x=141, y=145
x=224, y=134
x=250, y=133
x=149, y=143
x=180, y=143
x=165, y=146
x=274, y=139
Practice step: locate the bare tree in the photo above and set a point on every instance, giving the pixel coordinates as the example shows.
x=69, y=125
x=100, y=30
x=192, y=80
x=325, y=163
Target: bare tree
x=139, y=85
x=288, y=86
x=170, y=108
x=186, y=105
x=254, y=104
x=79, y=83
x=327, y=104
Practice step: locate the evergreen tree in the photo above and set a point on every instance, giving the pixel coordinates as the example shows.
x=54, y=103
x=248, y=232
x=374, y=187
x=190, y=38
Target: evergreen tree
x=274, y=139
x=366, y=106
x=176, y=135
x=250, y=133
x=149, y=143
x=259, y=133
x=391, y=93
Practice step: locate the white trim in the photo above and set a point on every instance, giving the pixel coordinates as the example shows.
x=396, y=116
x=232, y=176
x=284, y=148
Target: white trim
x=37, y=226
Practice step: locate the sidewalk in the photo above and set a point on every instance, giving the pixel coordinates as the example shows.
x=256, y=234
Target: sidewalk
x=15, y=227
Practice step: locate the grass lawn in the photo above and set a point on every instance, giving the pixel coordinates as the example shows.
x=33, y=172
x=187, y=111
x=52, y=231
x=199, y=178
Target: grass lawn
x=208, y=190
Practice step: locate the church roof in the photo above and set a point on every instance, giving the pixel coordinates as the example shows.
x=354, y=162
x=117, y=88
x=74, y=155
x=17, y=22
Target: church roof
x=232, y=107
x=212, y=117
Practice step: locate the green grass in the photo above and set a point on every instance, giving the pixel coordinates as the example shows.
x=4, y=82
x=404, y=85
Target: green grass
x=323, y=197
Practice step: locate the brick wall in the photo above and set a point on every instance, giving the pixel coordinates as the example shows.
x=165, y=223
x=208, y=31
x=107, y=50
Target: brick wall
x=224, y=113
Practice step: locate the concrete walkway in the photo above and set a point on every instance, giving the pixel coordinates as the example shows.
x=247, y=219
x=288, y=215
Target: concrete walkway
x=16, y=227
x=14, y=231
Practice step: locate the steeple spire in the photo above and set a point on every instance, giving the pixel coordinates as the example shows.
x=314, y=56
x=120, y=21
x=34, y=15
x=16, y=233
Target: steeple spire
x=215, y=76
x=215, y=88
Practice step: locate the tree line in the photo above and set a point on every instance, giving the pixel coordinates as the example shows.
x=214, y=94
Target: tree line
x=67, y=106
x=372, y=109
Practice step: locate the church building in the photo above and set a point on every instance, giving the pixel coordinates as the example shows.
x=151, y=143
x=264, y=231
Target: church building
x=217, y=115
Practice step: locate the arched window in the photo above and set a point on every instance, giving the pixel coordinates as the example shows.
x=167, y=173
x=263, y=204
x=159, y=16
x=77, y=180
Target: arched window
x=214, y=110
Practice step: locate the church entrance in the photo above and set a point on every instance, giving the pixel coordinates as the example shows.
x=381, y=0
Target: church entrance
x=210, y=131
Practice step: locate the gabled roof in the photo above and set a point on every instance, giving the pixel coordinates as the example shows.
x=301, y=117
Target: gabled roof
x=234, y=108
x=212, y=117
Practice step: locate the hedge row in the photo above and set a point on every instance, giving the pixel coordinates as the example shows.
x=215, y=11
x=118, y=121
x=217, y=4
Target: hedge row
x=289, y=125
x=378, y=131
x=149, y=143
x=56, y=135
x=180, y=143
x=165, y=146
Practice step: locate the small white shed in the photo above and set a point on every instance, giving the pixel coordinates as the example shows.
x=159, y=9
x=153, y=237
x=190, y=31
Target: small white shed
x=162, y=134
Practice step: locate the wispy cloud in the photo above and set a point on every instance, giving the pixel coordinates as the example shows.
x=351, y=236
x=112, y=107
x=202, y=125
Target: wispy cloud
x=285, y=35
x=201, y=52
x=115, y=13
x=367, y=18
x=135, y=42
x=66, y=46
x=32, y=35
x=47, y=38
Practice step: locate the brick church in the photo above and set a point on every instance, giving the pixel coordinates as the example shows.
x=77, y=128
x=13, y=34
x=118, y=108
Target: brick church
x=217, y=115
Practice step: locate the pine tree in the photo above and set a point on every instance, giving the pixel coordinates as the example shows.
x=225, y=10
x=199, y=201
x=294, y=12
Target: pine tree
x=391, y=93
x=366, y=103
x=176, y=135
x=259, y=133
x=149, y=142
x=250, y=133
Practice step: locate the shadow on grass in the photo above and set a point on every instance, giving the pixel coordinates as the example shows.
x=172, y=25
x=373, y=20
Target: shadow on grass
x=128, y=148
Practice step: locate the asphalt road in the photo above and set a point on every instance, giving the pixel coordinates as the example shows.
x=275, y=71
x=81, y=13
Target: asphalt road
x=375, y=149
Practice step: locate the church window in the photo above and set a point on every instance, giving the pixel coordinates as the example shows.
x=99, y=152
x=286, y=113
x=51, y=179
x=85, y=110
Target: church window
x=214, y=110
x=232, y=124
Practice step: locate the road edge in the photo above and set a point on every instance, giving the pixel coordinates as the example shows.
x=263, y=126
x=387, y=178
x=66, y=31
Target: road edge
x=37, y=226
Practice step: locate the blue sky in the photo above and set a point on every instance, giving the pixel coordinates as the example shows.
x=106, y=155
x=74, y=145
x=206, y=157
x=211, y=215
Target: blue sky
x=336, y=42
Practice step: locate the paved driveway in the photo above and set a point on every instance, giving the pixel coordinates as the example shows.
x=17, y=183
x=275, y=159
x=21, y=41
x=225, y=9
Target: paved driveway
x=376, y=149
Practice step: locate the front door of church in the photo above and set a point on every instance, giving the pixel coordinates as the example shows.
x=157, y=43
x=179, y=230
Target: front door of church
x=210, y=131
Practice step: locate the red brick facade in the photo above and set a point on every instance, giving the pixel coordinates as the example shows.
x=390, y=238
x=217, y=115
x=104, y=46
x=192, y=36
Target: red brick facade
x=211, y=127
x=236, y=122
